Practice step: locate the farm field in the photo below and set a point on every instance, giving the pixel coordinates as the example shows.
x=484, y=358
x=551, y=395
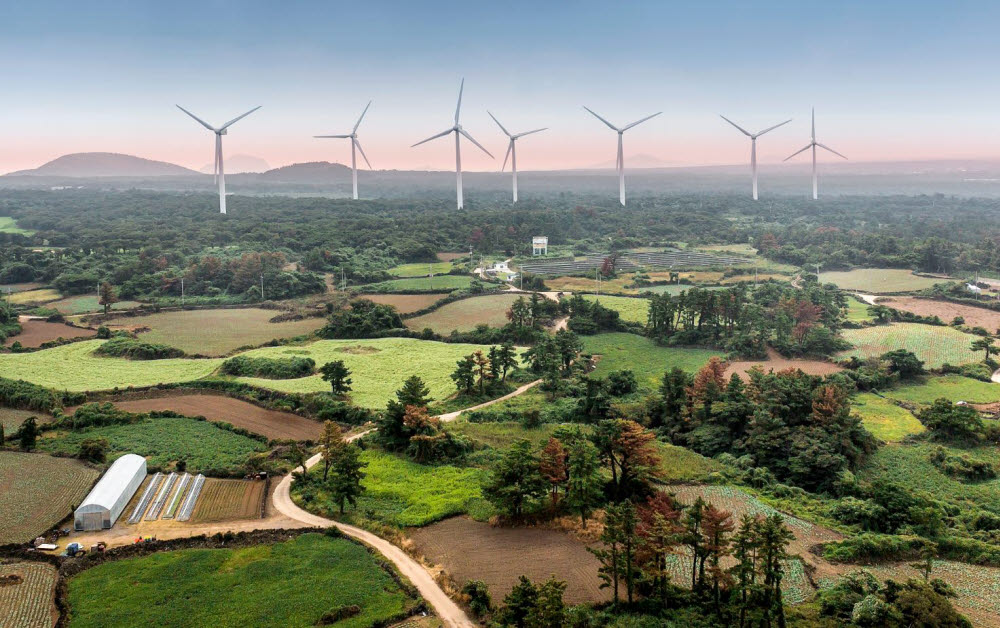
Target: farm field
x=163, y=442
x=9, y=225
x=976, y=586
x=37, y=492
x=631, y=309
x=933, y=344
x=215, y=332
x=87, y=303
x=226, y=500
x=680, y=464
x=444, y=282
x=466, y=314
x=501, y=435
x=12, y=419
x=468, y=550
x=675, y=289
x=644, y=357
x=777, y=362
x=406, y=303
x=379, y=367
x=909, y=465
x=884, y=419
x=30, y=603
x=857, y=311
x=292, y=583
x=946, y=311
x=269, y=423
x=445, y=256
x=10, y=288
x=74, y=367
x=878, y=280
x=588, y=284
x=35, y=332
x=42, y=295
x=952, y=387
x=421, y=269
x=405, y=493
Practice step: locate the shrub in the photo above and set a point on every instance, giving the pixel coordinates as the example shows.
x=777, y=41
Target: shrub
x=962, y=467
x=132, y=349
x=622, y=383
x=269, y=368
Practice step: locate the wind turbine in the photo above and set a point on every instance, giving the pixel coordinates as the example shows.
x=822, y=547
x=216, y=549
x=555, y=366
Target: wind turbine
x=813, y=144
x=753, y=146
x=458, y=131
x=512, y=150
x=355, y=144
x=621, y=156
x=220, y=174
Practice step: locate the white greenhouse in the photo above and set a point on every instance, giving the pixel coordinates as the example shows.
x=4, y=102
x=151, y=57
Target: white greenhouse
x=106, y=501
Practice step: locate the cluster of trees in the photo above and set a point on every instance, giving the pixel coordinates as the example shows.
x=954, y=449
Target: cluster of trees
x=8, y=321
x=798, y=427
x=487, y=372
x=269, y=368
x=858, y=599
x=343, y=469
x=362, y=318
x=533, y=312
x=407, y=427
x=590, y=317
x=744, y=322
x=125, y=346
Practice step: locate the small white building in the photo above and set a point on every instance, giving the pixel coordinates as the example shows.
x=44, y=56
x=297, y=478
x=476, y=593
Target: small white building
x=106, y=501
x=540, y=245
x=500, y=267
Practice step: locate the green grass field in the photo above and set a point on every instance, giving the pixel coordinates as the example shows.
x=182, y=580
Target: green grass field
x=632, y=310
x=293, y=583
x=501, y=435
x=163, y=442
x=12, y=419
x=420, y=284
x=681, y=465
x=420, y=269
x=878, y=280
x=404, y=493
x=951, y=387
x=676, y=289
x=933, y=344
x=857, y=311
x=466, y=314
x=87, y=303
x=42, y=295
x=216, y=332
x=9, y=225
x=644, y=357
x=884, y=419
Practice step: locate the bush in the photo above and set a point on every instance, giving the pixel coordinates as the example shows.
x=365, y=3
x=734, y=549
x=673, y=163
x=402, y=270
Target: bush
x=962, y=467
x=93, y=450
x=269, y=368
x=622, y=383
x=132, y=349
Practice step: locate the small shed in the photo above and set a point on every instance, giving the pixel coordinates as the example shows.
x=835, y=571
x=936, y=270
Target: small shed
x=106, y=501
x=540, y=245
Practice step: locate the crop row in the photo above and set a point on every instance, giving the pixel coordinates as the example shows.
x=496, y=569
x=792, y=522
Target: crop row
x=192, y=497
x=161, y=498
x=178, y=494
x=147, y=496
x=28, y=603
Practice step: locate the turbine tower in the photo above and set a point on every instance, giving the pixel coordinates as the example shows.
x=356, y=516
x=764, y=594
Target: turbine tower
x=813, y=144
x=355, y=144
x=621, y=156
x=753, y=146
x=220, y=174
x=458, y=131
x=512, y=150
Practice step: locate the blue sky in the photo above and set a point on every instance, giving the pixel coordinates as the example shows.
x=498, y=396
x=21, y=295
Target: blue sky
x=890, y=80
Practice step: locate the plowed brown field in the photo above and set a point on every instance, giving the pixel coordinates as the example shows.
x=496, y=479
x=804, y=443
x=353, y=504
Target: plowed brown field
x=34, y=333
x=946, y=311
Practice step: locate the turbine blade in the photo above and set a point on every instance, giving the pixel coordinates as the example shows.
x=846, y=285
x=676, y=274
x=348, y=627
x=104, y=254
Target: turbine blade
x=814, y=123
x=510, y=147
x=808, y=146
x=238, y=118
x=505, y=131
x=641, y=121
x=458, y=108
x=771, y=128
x=362, y=117
x=336, y=136
x=613, y=127
x=530, y=132
x=824, y=146
x=362, y=151
x=469, y=137
x=742, y=130
x=200, y=121
x=433, y=137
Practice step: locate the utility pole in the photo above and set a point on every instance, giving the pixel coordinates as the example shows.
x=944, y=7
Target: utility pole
x=262, y=286
x=817, y=271
x=182, y=292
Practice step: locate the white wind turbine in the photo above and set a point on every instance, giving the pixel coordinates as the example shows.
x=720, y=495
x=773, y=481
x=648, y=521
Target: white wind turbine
x=621, y=156
x=458, y=131
x=220, y=174
x=813, y=144
x=753, y=146
x=355, y=144
x=512, y=150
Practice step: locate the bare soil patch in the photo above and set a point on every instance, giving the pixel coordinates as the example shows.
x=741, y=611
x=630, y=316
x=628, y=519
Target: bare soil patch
x=225, y=500
x=449, y=257
x=35, y=332
x=946, y=311
x=359, y=350
x=406, y=303
x=269, y=423
x=471, y=550
x=777, y=362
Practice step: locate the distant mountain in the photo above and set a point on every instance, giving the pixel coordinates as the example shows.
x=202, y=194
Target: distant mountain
x=105, y=165
x=237, y=164
x=641, y=160
x=310, y=172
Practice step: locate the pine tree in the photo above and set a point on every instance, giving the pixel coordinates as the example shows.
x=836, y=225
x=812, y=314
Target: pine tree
x=27, y=434
x=345, y=482
x=515, y=480
x=107, y=296
x=506, y=359
x=338, y=375
x=659, y=533
x=482, y=369
x=464, y=375
x=552, y=465
x=583, y=489
x=550, y=609
x=519, y=604
x=329, y=440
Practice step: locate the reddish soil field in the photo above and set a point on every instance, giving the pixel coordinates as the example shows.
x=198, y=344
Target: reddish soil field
x=224, y=500
x=777, y=362
x=269, y=423
x=471, y=550
x=406, y=303
x=946, y=311
x=34, y=333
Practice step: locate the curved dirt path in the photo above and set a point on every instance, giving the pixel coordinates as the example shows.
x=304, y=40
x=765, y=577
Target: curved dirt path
x=451, y=416
x=996, y=376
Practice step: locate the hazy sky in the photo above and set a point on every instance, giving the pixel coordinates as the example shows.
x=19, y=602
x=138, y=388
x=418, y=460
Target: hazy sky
x=890, y=80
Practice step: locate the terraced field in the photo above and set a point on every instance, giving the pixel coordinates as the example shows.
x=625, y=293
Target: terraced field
x=933, y=344
x=37, y=492
x=466, y=314
x=88, y=303
x=12, y=419
x=406, y=303
x=35, y=332
x=884, y=419
x=644, y=357
x=420, y=284
x=946, y=311
x=421, y=269
x=879, y=280
x=40, y=296
x=951, y=387
x=228, y=500
x=29, y=603
x=632, y=310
